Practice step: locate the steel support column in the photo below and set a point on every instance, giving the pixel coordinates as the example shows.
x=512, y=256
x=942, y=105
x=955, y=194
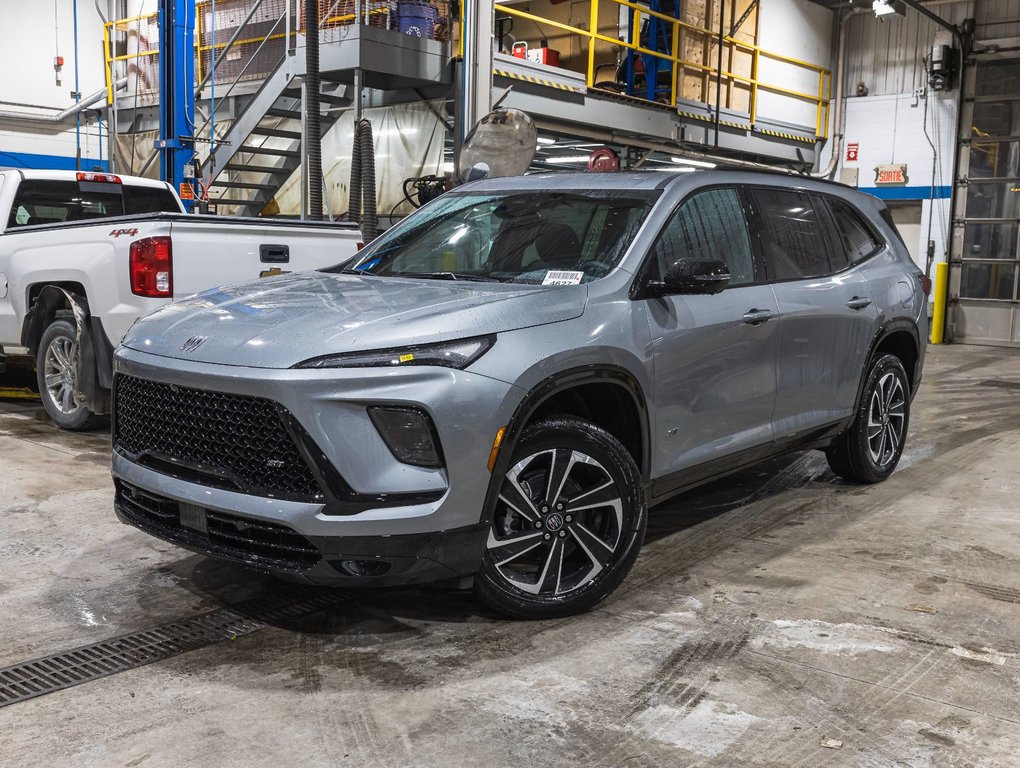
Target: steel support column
x=479, y=24
x=176, y=143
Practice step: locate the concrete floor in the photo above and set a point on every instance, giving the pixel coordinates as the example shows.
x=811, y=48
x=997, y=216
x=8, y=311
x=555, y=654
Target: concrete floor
x=779, y=618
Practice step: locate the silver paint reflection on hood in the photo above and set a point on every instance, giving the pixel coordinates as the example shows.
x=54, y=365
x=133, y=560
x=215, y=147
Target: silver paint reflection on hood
x=281, y=321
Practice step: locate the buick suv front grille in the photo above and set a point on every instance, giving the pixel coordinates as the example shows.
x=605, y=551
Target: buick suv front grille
x=228, y=441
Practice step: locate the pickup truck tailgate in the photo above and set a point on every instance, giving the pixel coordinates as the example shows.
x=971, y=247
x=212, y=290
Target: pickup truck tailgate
x=215, y=251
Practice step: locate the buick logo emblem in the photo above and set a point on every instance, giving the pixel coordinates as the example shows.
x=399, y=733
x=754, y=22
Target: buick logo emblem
x=193, y=343
x=554, y=522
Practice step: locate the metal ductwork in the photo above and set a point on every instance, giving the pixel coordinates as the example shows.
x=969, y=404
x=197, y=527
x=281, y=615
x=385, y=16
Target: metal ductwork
x=65, y=115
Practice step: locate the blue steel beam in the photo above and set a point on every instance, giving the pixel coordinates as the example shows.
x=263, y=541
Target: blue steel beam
x=176, y=142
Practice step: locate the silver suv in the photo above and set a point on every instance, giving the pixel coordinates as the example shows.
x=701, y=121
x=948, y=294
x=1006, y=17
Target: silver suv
x=502, y=384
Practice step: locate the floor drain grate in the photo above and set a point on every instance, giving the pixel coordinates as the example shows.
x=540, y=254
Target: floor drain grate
x=120, y=654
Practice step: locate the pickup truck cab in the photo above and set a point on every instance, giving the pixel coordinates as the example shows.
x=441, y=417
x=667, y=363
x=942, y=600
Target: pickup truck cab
x=83, y=255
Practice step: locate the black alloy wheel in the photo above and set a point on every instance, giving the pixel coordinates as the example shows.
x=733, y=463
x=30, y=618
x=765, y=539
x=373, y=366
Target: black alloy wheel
x=568, y=522
x=870, y=449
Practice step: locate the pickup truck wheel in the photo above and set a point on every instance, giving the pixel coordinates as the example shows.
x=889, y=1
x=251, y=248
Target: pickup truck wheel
x=870, y=449
x=567, y=525
x=56, y=369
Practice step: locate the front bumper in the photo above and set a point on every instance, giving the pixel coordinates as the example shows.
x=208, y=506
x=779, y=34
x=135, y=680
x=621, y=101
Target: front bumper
x=437, y=534
x=279, y=550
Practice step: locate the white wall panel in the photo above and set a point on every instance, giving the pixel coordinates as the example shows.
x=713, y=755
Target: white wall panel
x=891, y=129
x=26, y=59
x=801, y=30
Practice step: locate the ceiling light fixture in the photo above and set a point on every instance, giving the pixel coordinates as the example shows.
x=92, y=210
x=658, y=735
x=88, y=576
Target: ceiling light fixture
x=695, y=163
x=566, y=159
x=887, y=7
x=546, y=140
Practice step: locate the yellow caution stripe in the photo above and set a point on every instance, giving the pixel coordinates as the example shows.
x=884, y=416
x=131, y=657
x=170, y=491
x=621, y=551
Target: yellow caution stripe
x=782, y=135
x=536, y=80
x=709, y=119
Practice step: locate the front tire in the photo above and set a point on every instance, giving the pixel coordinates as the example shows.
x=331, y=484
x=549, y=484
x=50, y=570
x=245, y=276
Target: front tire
x=568, y=522
x=870, y=449
x=56, y=367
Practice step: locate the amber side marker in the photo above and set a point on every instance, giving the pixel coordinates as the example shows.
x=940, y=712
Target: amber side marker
x=494, y=453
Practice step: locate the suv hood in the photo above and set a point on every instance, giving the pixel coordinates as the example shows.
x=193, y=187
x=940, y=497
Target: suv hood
x=281, y=321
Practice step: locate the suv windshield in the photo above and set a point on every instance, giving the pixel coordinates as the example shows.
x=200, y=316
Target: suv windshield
x=537, y=238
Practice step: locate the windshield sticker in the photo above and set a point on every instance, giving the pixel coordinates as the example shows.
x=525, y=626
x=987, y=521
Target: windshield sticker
x=562, y=278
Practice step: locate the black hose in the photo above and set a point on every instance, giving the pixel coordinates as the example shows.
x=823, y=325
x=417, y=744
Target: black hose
x=354, y=193
x=370, y=215
x=313, y=126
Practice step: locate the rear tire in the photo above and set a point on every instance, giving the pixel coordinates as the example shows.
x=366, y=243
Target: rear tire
x=56, y=365
x=870, y=449
x=568, y=523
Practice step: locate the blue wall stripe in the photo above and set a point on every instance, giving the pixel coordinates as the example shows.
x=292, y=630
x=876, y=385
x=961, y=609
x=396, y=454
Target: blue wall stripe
x=48, y=162
x=908, y=193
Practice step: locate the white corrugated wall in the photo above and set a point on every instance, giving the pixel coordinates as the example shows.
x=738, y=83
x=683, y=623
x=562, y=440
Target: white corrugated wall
x=885, y=53
x=997, y=19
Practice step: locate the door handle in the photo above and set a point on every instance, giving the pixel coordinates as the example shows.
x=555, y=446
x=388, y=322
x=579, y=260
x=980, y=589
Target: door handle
x=858, y=302
x=274, y=254
x=758, y=316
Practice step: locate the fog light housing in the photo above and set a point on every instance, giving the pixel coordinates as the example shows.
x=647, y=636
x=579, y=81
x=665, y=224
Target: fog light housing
x=409, y=434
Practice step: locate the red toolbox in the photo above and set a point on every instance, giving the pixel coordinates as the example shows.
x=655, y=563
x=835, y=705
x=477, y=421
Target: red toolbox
x=543, y=55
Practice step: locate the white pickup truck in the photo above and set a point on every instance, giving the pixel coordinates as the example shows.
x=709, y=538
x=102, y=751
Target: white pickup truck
x=82, y=255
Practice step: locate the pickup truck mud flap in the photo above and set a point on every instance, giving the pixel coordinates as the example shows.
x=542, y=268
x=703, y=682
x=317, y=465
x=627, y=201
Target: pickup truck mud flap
x=95, y=360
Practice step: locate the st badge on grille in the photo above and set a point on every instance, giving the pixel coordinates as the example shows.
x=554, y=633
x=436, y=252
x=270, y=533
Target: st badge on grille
x=193, y=343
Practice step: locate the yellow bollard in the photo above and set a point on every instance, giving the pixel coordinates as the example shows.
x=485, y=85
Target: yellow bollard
x=938, y=320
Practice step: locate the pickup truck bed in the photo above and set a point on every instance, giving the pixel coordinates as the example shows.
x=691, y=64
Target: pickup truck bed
x=88, y=279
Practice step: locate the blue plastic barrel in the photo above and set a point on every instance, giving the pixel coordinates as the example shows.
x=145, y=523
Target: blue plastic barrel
x=418, y=19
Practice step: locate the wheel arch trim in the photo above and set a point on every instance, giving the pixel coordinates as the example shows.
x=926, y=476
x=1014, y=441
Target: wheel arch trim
x=888, y=329
x=555, y=384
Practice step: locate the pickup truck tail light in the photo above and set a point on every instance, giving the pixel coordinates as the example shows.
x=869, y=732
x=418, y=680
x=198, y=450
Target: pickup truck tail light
x=152, y=267
x=926, y=285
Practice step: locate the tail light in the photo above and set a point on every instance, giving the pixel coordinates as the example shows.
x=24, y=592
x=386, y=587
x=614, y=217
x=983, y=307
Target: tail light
x=926, y=284
x=152, y=267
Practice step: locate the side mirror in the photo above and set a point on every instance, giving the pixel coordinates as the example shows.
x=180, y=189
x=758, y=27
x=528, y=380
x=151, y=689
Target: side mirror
x=688, y=276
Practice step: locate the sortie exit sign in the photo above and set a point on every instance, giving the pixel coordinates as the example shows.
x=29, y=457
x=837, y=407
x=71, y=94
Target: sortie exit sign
x=895, y=173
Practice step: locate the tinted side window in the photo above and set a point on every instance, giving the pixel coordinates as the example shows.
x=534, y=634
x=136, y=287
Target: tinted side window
x=791, y=234
x=709, y=226
x=888, y=219
x=856, y=237
x=139, y=200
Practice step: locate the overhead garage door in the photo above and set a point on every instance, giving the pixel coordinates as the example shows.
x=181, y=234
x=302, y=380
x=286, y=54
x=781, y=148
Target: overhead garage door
x=986, y=238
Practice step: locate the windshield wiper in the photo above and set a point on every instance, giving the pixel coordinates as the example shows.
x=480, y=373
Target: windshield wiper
x=450, y=276
x=349, y=271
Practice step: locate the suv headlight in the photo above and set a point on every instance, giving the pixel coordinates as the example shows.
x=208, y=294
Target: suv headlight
x=448, y=354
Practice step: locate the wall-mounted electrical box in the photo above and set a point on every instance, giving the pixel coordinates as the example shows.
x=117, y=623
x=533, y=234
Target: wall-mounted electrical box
x=942, y=67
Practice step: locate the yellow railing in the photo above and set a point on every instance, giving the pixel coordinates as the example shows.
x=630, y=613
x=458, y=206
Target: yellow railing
x=678, y=64
x=332, y=15
x=123, y=25
x=147, y=22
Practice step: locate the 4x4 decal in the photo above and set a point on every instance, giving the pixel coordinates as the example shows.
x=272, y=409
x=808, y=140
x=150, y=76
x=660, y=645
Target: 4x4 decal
x=118, y=232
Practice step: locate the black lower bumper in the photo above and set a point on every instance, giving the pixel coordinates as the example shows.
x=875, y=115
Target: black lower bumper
x=275, y=548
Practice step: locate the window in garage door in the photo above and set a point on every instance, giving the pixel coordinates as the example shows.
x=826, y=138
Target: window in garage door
x=986, y=241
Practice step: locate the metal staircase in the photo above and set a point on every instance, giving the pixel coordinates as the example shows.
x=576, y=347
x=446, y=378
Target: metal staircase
x=262, y=148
